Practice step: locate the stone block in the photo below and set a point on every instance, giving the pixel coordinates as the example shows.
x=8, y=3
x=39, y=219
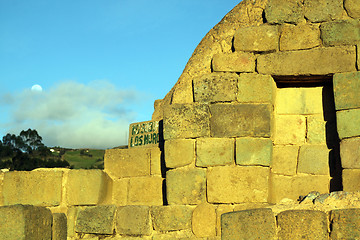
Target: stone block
x=318, y=61
x=40, y=188
x=256, y=88
x=346, y=90
x=254, y=151
x=302, y=224
x=261, y=38
x=184, y=235
x=220, y=210
x=314, y=159
x=350, y=153
x=323, y=10
x=344, y=32
x=351, y=180
x=204, y=220
x=145, y=191
x=352, y=8
x=345, y=224
x=279, y=11
x=96, y=220
x=241, y=120
x=284, y=159
x=155, y=161
x=24, y=222
x=133, y=220
x=348, y=123
x=248, y=224
x=171, y=218
x=317, y=130
x=214, y=151
x=298, y=37
x=132, y=162
x=179, y=152
x=59, y=227
x=238, y=184
x=234, y=62
x=186, y=186
x=290, y=129
x=186, y=121
x=120, y=191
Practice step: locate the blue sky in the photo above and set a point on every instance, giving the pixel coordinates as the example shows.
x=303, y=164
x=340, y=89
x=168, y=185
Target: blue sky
x=101, y=64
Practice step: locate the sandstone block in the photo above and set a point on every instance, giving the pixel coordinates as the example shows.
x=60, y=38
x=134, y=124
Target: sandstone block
x=323, y=10
x=351, y=180
x=344, y=32
x=234, y=62
x=240, y=120
x=290, y=129
x=346, y=90
x=220, y=210
x=133, y=220
x=284, y=159
x=24, y=222
x=40, y=188
x=186, y=186
x=132, y=162
x=253, y=151
x=145, y=191
x=302, y=224
x=184, y=234
x=120, y=191
x=214, y=151
x=279, y=11
x=345, y=224
x=171, y=218
x=204, y=220
x=350, y=153
x=297, y=37
x=179, y=152
x=248, y=224
x=97, y=220
x=256, y=88
x=318, y=61
x=348, y=123
x=316, y=130
x=352, y=8
x=237, y=184
x=59, y=227
x=155, y=161
x=314, y=159
x=186, y=121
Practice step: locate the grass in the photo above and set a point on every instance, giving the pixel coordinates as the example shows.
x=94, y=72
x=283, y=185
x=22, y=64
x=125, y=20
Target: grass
x=93, y=158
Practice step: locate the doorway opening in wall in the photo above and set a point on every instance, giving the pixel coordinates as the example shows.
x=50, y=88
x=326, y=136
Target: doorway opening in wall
x=305, y=119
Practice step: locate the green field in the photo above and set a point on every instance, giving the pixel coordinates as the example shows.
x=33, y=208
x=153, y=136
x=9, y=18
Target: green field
x=91, y=158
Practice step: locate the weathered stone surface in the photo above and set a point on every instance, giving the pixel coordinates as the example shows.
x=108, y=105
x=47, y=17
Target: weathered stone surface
x=179, y=152
x=238, y=184
x=234, y=62
x=284, y=159
x=253, y=151
x=351, y=180
x=297, y=37
x=171, y=218
x=145, y=191
x=302, y=224
x=220, y=210
x=352, y=8
x=358, y=58
x=97, y=220
x=155, y=161
x=345, y=224
x=346, y=90
x=21, y=222
x=344, y=32
x=71, y=215
x=186, y=186
x=204, y=220
x=214, y=151
x=314, y=159
x=348, y=123
x=120, y=163
x=59, y=227
x=316, y=129
x=256, y=88
x=240, y=120
x=186, y=121
x=257, y=39
x=40, y=188
x=183, y=234
x=350, y=153
x=133, y=220
x=248, y=224
x=279, y=11
x=318, y=61
x=290, y=129
x=120, y=191
x=323, y=10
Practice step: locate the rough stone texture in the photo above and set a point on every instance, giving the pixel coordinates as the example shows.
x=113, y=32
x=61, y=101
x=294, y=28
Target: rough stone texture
x=323, y=10
x=186, y=186
x=230, y=184
x=127, y=162
x=214, y=151
x=204, y=220
x=358, y=56
x=352, y=8
x=183, y=234
x=220, y=210
x=59, y=227
x=314, y=159
x=71, y=215
x=133, y=220
x=145, y=191
x=19, y=222
x=345, y=224
x=346, y=90
x=186, y=121
x=279, y=11
x=297, y=37
x=351, y=180
x=120, y=191
x=284, y=159
x=350, y=153
x=348, y=123
x=290, y=129
x=179, y=152
x=318, y=61
x=234, y=62
x=344, y=32
x=97, y=220
x=257, y=39
x=240, y=120
x=40, y=188
x=256, y=88
x=155, y=161
x=316, y=130
x=253, y=151
x=171, y=218
x=249, y=224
